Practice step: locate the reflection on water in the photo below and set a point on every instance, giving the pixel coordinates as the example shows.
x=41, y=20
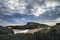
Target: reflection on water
x=20, y=31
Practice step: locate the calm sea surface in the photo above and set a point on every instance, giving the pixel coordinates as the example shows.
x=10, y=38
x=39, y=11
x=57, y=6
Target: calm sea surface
x=20, y=31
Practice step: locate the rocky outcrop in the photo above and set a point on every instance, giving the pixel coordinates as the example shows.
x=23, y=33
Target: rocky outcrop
x=7, y=34
x=45, y=34
x=5, y=31
x=8, y=37
x=17, y=27
x=32, y=25
x=51, y=33
x=29, y=25
x=48, y=34
x=25, y=36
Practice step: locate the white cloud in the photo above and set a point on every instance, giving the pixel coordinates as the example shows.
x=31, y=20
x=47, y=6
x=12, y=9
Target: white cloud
x=58, y=20
x=19, y=6
x=37, y=10
x=51, y=22
x=51, y=3
x=16, y=6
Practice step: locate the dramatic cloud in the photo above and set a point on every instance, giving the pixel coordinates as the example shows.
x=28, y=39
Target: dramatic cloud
x=23, y=11
x=37, y=10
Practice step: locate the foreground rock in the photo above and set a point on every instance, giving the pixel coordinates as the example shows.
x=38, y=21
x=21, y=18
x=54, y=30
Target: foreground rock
x=25, y=36
x=48, y=34
x=51, y=33
x=5, y=31
x=7, y=34
x=8, y=37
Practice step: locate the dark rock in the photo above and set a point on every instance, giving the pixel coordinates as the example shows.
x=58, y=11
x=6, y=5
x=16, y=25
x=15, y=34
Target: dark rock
x=7, y=34
x=6, y=37
x=45, y=34
x=29, y=25
x=41, y=35
x=33, y=25
x=24, y=36
x=16, y=27
x=0, y=26
x=54, y=33
x=57, y=23
x=48, y=34
x=5, y=31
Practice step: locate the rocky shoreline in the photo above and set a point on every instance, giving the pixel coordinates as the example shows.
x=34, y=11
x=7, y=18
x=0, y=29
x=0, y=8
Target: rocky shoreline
x=48, y=33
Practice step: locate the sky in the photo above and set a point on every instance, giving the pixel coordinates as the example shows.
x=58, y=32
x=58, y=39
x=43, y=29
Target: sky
x=19, y=12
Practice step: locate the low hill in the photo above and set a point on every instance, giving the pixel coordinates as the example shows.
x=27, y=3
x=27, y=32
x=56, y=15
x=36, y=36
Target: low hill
x=29, y=25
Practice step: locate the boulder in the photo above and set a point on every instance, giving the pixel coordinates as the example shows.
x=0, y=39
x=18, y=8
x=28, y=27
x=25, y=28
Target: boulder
x=6, y=31
x=7, y=34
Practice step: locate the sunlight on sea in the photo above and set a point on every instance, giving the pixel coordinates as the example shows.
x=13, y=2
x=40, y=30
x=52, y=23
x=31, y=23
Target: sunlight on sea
x=20, y=31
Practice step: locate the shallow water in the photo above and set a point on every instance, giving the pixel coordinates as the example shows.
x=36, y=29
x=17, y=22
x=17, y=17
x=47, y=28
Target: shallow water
x=20, y=31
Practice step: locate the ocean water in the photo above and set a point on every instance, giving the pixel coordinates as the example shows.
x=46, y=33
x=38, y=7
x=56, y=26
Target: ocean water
x=20, y=31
